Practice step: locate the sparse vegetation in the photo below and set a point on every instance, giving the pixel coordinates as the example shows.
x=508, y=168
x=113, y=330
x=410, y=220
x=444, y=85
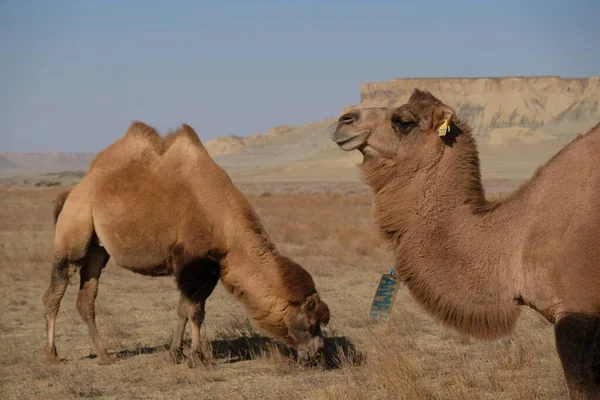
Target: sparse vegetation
x=409, y=357
x=47, y=183
x=67, y=174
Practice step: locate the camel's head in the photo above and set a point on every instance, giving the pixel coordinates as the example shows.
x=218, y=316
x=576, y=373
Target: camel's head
x=284, y=304
x=411, y=136
x=293, y=311
x=303, y=322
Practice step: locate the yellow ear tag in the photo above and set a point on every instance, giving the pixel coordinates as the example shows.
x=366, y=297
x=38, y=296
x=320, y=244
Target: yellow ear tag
x=444, y=128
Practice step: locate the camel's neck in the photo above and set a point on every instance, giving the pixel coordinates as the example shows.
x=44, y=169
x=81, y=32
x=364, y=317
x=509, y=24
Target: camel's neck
x=452, y=248
x=253, y=265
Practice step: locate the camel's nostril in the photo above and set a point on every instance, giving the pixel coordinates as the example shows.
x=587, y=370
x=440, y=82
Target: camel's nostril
x=349, y=118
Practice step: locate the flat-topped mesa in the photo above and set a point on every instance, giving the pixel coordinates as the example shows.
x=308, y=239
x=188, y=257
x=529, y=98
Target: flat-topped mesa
x=471, y=263
x=162, y=206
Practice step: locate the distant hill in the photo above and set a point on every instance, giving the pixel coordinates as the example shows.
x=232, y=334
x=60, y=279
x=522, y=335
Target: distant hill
x=6, y=163
x=36, y=163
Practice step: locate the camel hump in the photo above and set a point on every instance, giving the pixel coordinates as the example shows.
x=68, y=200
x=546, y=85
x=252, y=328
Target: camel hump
x=189, y=132
x=147, y=134
x=138, y=128
x=185, y=132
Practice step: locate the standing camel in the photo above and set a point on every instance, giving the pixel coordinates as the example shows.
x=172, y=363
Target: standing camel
x=471, y=263
x=161, y=206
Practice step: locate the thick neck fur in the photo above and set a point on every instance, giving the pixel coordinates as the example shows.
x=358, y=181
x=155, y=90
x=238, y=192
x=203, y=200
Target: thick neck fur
x=451, y=248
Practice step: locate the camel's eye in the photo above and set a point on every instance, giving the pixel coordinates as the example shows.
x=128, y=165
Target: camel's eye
x=310, y=305
x=401, y=124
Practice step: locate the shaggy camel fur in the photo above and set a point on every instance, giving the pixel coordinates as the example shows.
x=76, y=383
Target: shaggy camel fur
x=163, y=207
x=470, y=262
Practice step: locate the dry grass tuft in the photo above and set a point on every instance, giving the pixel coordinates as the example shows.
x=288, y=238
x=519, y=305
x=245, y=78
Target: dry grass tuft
x=330, y=232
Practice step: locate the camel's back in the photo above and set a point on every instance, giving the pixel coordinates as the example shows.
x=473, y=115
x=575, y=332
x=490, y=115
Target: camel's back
x=563, y=219
x=574, y=172
x=142, y=162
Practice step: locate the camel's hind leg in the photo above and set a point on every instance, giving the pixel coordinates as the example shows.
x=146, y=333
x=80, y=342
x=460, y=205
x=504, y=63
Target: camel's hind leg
x=90, y=272
x=578, y=346
x=196, y=281
x=62, y=271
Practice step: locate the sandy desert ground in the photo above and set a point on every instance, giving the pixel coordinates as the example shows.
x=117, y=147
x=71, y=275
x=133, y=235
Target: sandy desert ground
x=328, y=228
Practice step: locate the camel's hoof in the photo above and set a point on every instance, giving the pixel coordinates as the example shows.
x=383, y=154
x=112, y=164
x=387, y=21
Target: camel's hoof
x=106, y=360
x=51, y=356
x=51, y=359
x=175, y=356
x=196, y=359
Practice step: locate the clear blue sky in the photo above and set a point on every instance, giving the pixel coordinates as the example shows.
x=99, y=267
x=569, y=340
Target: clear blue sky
x=73, y=74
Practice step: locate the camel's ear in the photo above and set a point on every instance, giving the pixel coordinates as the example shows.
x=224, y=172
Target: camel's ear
x=324, y=313
x=441, y=118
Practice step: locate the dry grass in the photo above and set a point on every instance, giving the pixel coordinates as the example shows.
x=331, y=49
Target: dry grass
x=332, y=235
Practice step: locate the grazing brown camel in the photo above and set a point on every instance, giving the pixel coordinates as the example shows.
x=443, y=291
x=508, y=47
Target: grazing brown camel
x=471, y=263
x=161, y=206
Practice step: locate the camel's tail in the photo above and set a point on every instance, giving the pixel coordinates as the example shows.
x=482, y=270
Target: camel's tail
x=59, y=201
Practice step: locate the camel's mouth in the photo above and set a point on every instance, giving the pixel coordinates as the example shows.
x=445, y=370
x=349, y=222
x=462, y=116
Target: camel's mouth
x=350, y=140
x=311, y=350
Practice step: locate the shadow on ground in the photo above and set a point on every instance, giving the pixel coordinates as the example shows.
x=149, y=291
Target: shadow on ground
x=338, y=351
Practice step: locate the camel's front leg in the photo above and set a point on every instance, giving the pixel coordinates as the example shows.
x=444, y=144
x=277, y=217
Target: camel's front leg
x=176, y=353
x=197, y=356
x=578, y=346
x=196, y=280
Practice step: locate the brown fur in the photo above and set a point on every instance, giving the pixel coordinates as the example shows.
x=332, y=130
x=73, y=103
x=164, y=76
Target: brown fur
x=164, y=207
x=59, y=201
x=471, y=263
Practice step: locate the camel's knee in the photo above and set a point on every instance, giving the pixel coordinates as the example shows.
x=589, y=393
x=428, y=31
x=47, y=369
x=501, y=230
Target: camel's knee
x=183, y=307
x=197, y=313
x=198, y=317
